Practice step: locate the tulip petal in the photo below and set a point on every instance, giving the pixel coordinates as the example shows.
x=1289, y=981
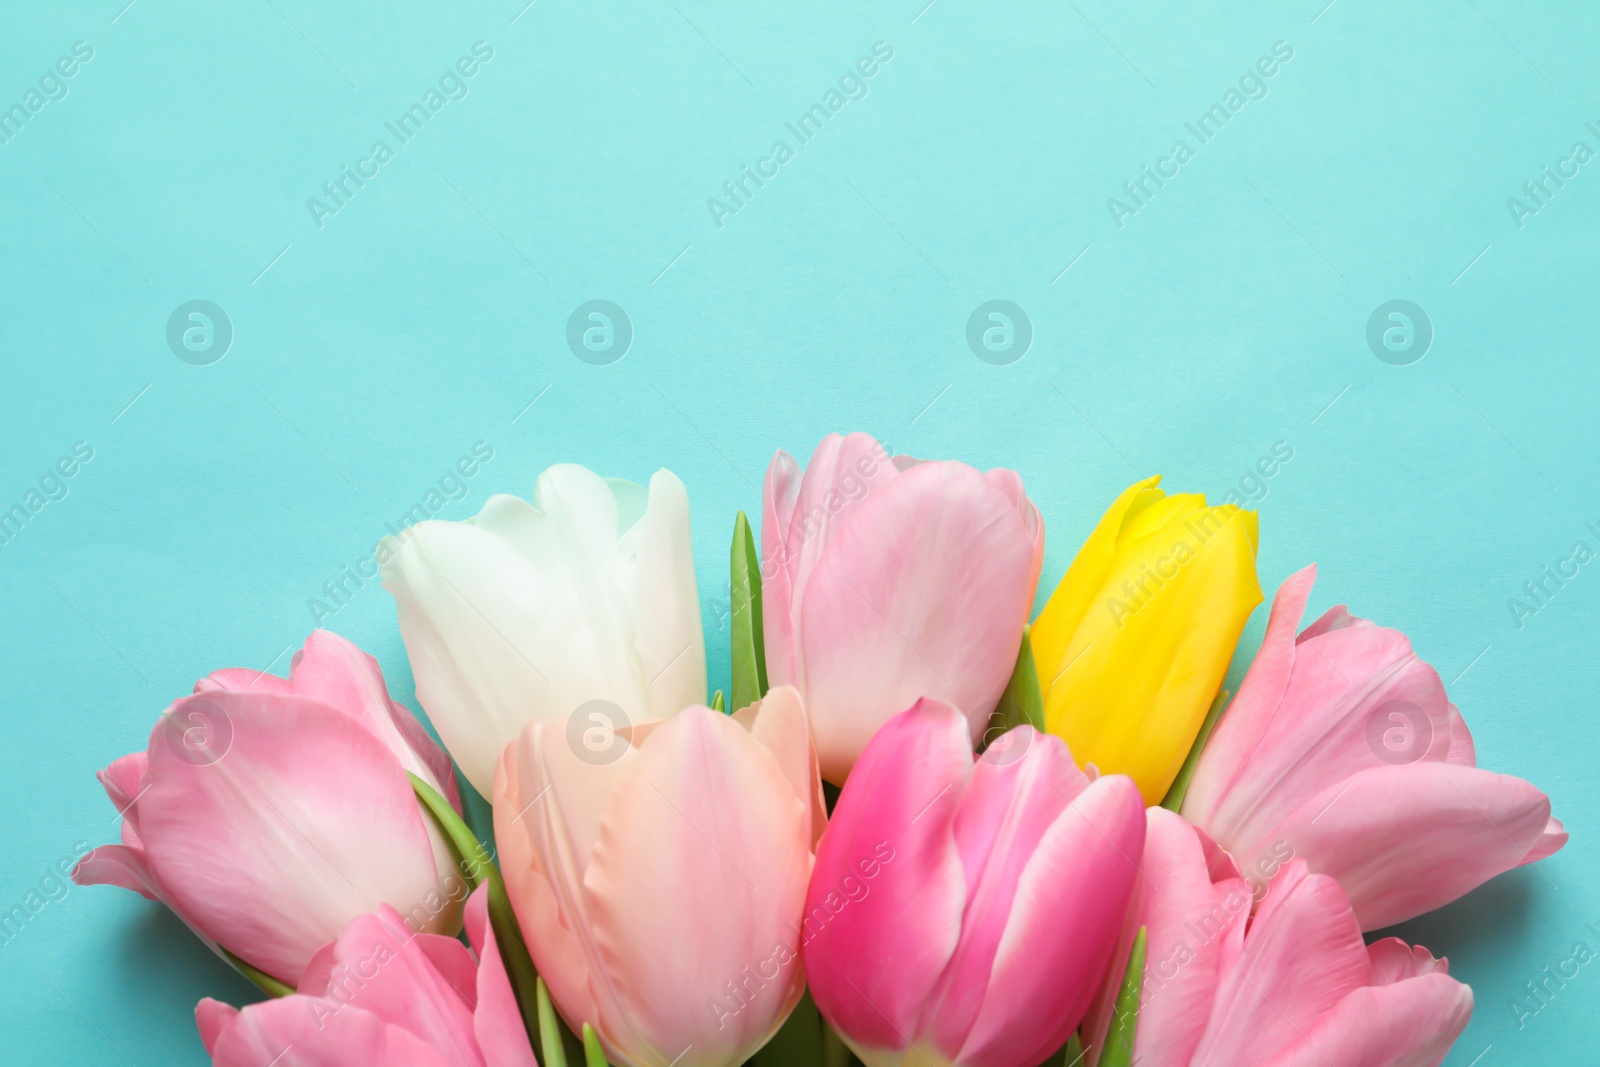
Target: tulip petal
x=872, y=960
x=497, y=1020
x=338, y=673
x=1056, y=949
x=548, y=804
x=1303, y=955
x=321, y=1033
x=1406, y=840
x=876, y=634
x=778, y=721
x=704, y=814
x=1195, y=921
x=1409, y=1024
x=421, y=983
x=779, y=493
x=668, y=635
x=1010, y=804
x=1394, y=961
x=1150, y=643
x=211, y=1018
x=1240, y=730
x=304, y=796
x=1062, y=613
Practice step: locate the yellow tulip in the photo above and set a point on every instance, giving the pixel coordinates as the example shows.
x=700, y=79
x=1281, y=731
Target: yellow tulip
x=1133, y=644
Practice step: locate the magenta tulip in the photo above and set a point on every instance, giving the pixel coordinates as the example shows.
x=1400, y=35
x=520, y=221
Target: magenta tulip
x=269, y=812
x=965, y=913
x=1295, y=986
x=381, y=994
x=885, y=579
x=658, y=877
x=1342, y=745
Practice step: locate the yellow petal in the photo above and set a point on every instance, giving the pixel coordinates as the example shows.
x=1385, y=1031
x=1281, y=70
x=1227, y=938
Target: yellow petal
x=1143, y=637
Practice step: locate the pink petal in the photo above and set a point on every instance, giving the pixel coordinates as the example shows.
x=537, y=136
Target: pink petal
x=304, y=822
x=1410, y=1024
x=703, y=859
x=1250, y=713
x=211, y=1018
x=422, y=983
x=320, y=1033
x=1194, y=928
x=1063, y=926
x=1303, y=954
x=779, y=492
x=548, y=806
x=337, y=672
x=1406, y=840
x=497, y=1020
x=779, y=723
x=1394, y=961
x=883, y=913
x=1009, y=806
x=121, y=866
x=922, y=590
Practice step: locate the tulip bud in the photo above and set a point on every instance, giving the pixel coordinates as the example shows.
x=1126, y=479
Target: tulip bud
x=886, y=579
x=964, y=912
x=1343, y=748
x=1133, y=644
x=531, y=610
x=268, y=812
x=659, y=884
x=1294, y=986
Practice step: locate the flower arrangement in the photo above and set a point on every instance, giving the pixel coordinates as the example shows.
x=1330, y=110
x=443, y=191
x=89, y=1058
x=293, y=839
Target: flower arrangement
x=920, y=829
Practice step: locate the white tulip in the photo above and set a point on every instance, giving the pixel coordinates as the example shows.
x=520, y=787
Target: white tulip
x=531, y=610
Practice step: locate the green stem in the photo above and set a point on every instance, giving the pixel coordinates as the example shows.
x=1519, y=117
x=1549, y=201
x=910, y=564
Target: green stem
x=550, y=1044
x=260, y=979
x=1180, y=785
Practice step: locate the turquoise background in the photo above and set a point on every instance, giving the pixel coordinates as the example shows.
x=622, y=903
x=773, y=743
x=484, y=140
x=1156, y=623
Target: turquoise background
x=1227, y=315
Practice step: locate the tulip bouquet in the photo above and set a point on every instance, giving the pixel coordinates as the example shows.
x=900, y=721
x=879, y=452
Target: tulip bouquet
x=919, y=829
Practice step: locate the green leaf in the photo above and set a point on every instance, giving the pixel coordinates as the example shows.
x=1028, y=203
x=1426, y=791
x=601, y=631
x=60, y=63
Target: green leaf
x=1023, y=701
x=554, y=1055
x=1072, y=1055
x=593, y=1054
x=475, y=864
x=749, y=643
x=1180, y=785
x=716, y=702
x=798, y=1042
x=260, y=979
x=1118, y=1051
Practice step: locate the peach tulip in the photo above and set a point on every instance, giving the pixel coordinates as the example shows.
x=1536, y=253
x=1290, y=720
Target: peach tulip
x=658, y=879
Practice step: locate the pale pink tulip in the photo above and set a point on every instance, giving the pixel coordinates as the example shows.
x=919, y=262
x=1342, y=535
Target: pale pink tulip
x=965, y=913
x=1342, y=745
x=269, y=812
x=659, y=882
x=1295, y=986
x=885, y=579
x=382, y=994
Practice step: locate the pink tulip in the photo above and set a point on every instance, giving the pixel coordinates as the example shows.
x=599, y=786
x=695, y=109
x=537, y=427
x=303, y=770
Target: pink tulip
x=1343, y=746
x=381, y=994
x=888, y=579
x=268, y=812
x=1293, y=987
x=658, y=880
x=964, y=913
